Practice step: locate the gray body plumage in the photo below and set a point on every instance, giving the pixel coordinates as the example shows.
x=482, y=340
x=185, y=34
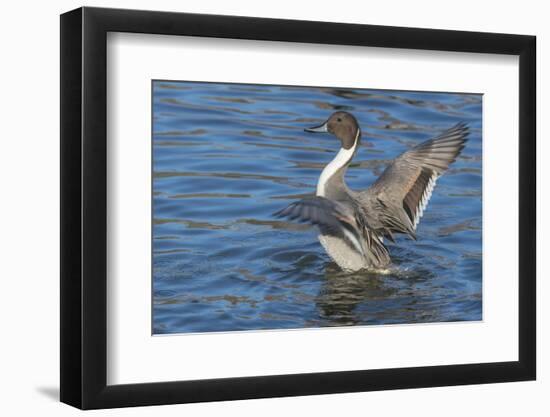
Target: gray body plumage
x=353, y=225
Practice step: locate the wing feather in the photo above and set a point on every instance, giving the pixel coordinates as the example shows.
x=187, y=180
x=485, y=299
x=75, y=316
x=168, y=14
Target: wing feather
x=342, y=219
x=332, y=217
x=404, y=189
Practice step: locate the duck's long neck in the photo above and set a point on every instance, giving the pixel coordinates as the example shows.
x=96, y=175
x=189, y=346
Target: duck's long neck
x=331, y=182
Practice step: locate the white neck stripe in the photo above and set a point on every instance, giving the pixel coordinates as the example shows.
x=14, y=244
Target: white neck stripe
x=343, y=157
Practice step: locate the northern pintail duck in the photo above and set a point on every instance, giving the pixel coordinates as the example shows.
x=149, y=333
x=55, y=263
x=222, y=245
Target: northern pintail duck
x=353, y=224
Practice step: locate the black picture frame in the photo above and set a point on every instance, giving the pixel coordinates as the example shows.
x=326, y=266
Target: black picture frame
x=84, y=207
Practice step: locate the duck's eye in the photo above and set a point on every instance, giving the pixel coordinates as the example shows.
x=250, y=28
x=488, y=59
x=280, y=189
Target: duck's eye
x=339, y=120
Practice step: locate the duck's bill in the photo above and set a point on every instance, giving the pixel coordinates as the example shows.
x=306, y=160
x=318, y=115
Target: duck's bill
x=318, y=129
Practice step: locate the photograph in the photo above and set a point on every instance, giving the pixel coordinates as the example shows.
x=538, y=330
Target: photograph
x=264, y=206
x=291, y=207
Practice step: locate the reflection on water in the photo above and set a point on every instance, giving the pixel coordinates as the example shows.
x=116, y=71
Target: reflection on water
x=226, y=156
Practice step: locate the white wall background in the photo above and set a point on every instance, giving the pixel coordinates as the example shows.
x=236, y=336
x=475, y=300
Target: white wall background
x=29, y=225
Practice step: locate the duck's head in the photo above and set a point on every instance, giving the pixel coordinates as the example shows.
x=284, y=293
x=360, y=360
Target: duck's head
x=342, y=125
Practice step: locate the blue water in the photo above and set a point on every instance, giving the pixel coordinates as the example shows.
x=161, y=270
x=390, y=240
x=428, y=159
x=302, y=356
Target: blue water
x=226, y=156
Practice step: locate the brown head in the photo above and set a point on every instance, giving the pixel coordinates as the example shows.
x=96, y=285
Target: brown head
x=342, y=125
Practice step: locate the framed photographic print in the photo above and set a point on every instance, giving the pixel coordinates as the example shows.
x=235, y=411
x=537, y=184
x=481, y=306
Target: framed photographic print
x=258, y=207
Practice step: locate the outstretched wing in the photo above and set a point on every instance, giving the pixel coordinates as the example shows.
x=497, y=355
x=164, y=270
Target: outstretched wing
x=342, y=219
x=333, y=218
x=402, y=192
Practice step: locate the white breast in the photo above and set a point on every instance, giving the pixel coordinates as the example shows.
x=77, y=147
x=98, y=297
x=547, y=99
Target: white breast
x=339, y=251
x=347, y=258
